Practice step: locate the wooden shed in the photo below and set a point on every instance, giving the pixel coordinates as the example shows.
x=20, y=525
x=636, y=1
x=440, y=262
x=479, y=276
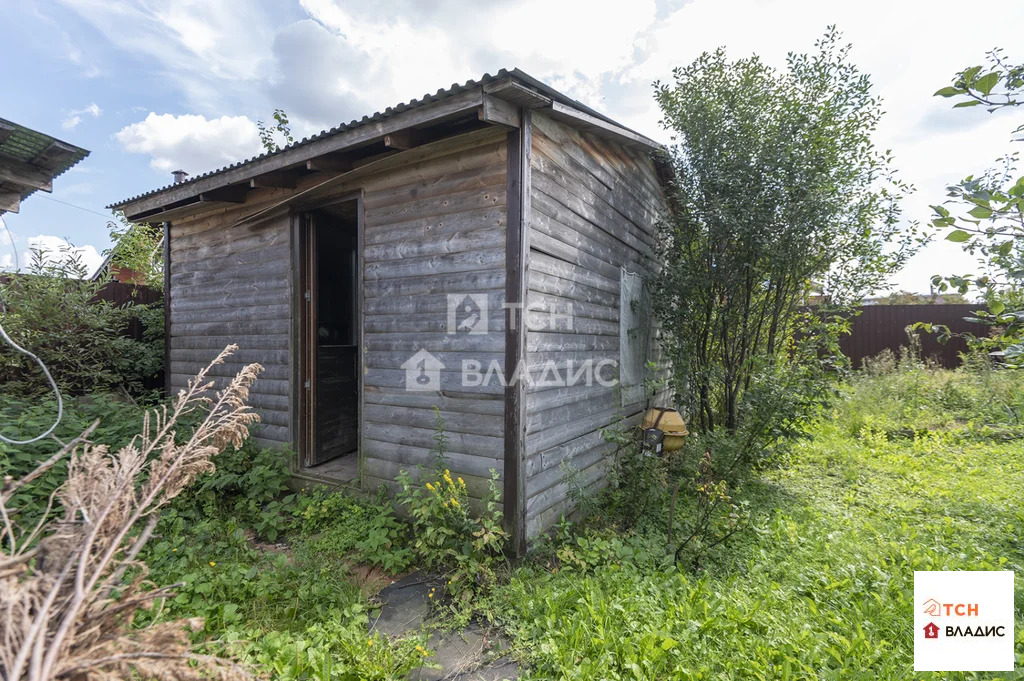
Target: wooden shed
x=378, y=270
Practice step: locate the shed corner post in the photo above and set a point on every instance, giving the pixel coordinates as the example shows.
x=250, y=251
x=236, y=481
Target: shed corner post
x=517, y=249
x=167, y=307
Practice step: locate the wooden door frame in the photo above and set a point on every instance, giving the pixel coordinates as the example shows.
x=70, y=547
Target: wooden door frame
x=303, y=349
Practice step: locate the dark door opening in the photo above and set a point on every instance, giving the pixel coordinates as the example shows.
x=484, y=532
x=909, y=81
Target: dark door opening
x=330, y=338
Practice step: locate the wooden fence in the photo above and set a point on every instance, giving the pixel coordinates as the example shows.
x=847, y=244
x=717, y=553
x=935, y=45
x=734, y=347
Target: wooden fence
x=879, y=327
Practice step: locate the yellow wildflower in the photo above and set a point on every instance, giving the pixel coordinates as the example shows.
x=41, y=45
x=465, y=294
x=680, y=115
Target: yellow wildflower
x=455, y=502
x=369, y=641
x=430, y=487
x=462, y=482
x=213, y=564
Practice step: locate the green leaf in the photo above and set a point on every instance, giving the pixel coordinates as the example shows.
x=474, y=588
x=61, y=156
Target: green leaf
x=949, y=91
x=970, y=73
x=996, y=306
x=970, y=102
x=958, y=236
x=980, y=212
x=986, y=83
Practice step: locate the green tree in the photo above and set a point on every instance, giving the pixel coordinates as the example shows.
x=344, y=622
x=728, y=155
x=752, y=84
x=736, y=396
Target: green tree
x=137, y=247
x=280, y=130
x=985, y=214
x=777, y=185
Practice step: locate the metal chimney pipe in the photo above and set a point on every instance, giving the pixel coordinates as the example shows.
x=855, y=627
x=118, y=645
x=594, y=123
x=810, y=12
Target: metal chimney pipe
x=179, y=176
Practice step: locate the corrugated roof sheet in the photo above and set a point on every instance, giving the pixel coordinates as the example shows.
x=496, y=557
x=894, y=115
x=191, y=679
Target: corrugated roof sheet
x=428, y=98
x=36, y=149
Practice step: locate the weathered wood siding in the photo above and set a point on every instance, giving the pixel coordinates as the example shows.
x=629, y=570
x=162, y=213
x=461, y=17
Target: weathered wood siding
x=433, y=228
x=594, y=209
x=231, y=283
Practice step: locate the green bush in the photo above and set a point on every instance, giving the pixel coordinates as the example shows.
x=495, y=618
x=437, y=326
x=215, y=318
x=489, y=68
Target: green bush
x=53, y=312
x=446, y=535
x=337, y=524
x=24, y=418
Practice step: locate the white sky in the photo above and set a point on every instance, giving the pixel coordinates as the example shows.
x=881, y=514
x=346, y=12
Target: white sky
x=154, y=85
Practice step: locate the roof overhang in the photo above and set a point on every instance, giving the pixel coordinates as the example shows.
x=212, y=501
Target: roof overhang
x=29, y=161
x=492, y=101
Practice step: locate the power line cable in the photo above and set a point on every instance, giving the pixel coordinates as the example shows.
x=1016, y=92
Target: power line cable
x=87, y=210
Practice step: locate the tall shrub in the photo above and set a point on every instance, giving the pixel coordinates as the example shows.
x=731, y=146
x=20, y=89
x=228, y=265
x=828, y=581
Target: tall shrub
x=53, y=311
x=985, y=214
x=779, y=193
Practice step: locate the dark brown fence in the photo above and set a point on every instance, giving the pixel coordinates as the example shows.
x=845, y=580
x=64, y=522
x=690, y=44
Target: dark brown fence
x=883, y=326
x=121, y=294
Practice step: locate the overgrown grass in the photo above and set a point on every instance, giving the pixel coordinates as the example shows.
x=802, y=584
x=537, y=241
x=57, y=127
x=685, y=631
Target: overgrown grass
x=912, y=470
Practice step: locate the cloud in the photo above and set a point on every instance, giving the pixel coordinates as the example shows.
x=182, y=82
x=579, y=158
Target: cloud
x=328, y=61
x=191, y=142
x=212, y=52
x=73, y=118
x=56, y=249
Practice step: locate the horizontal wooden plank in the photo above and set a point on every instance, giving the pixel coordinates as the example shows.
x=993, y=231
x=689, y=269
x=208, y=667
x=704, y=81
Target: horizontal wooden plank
x=559, y=397
x=451, y=382
x=559, y=417
x=233, y=298
x=552, y=476
x=444, y=282
x=279, y=269
x=270, y=371
x=478, y=404
x=455, y=262
x=458, y=242
x=452, y=361
x=540, y=341
x=436, y=342
x=242, y=355
x=457, y=463
x=567, y=451
x=230, y=314
x=445, y=205
x=268, y=386
x=233, y=329
x=438, y=185
x=558, y=307
x=430, y=303
x=227, y=258
x=214, y=344
x=558, y=265
x=412, y=436
x=492, y=217
x=569, y=289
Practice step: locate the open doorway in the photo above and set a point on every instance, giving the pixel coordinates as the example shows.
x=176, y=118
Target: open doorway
x=329, y=415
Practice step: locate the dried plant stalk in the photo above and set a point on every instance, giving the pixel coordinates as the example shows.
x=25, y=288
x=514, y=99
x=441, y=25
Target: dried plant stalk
x=65, y=611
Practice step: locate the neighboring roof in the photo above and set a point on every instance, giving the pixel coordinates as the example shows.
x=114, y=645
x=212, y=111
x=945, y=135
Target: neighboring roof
x=512, y=86
x=29, y=161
